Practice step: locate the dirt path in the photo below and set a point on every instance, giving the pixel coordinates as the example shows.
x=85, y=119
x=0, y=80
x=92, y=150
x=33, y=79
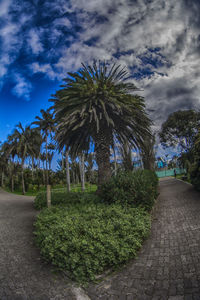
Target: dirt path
x=168, y=266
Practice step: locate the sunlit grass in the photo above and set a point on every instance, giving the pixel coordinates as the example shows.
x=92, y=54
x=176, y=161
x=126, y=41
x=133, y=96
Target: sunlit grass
x=74, y=188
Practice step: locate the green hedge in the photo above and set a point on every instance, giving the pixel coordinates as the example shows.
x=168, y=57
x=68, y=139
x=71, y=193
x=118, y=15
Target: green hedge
x=62, y=197
x=88, y=239
x=138, y=188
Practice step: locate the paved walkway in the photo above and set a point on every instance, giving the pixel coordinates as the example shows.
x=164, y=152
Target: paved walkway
x=22, y=274
x=168, y=266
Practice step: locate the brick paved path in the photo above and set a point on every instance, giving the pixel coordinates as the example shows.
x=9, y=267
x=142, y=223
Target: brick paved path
x=168, y=266
x=22, y=273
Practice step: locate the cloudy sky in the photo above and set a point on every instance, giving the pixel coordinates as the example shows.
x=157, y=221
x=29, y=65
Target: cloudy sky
x=42, y=40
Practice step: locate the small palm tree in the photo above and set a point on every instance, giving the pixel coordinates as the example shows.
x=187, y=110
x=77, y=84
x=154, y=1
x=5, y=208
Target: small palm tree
x=97, y=105
x=46, y=125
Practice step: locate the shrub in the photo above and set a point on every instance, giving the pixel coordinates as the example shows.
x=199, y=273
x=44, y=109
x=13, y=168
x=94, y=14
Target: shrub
x=62, y=197
x=86, y=240
x=194, y=173
x=138, y=188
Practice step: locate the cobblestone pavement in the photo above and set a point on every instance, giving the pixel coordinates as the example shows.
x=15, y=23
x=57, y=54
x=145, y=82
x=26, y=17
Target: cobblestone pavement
x=22, y=274
x=168, y=266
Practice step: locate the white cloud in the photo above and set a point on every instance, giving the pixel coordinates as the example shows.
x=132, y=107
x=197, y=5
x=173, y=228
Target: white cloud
x=109, y=27
x=34, y=41
x=22, y=88
x=4, y=7
x=44, y=68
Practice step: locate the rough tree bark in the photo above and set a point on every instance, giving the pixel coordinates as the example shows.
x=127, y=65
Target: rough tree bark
x=102, y=149
x=23, y=185
x=67, y=171
x=47, y=173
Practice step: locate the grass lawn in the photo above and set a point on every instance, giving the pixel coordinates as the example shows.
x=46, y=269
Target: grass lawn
x=74, y=188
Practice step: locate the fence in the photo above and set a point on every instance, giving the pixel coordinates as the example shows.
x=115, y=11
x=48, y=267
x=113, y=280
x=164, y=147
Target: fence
x=170, y=172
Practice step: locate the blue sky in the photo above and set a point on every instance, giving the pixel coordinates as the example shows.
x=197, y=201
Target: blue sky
x=41, y=40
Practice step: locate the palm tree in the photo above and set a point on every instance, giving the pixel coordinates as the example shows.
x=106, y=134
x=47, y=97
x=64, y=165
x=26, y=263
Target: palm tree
x=97, y=105
x=21, y=137
x=4, y=157
x=82, y=170
x=89, y=165
x=43, y=159
x=67, y=170
x=36, y=140
x=148, y=153
x=46, y=125
x=126, y=154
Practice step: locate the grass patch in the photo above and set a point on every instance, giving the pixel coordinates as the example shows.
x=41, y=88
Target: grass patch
x=33, y=190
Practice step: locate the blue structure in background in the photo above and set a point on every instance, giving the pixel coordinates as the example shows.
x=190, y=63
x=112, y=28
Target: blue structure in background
x=170, y=172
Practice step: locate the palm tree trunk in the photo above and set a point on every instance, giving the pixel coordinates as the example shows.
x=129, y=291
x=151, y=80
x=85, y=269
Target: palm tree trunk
x=102, y=149
x=32, y=166
x=2, y=178
x=63, y=164
x=23, y=185
x=47, y=173
x=38, y=164
x=12, y=183
x=43, y=172
x=82, y=171
x=115, y=162
x=67, y=171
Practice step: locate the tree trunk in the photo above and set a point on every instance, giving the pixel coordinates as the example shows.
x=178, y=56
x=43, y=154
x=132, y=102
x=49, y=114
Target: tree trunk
x=82, y=171
x=23, y=185
x=47, y=173
x=2, y=178
x=102, y=149
x=63, y=164
x=115, y=162
x=32, y=166
x=43, y=173
x=38, y=164
x=12, y=183
x=48, y=196
x=67, y=171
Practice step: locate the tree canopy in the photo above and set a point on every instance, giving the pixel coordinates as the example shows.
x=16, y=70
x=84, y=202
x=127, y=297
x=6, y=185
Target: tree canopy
x=97, y=104
x=180, y=129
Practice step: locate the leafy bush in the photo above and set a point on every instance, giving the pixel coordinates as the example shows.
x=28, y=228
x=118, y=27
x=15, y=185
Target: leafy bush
x=138, y=188
x=194, y=173
x=62, y=197
x=88, y=239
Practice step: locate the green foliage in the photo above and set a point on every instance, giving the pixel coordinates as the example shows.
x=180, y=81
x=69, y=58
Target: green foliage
x=138, y=188
x=98, y=98
x=180, y=128
x=86, y=240
x=194, y=173
x=61, y=196
x=194, y=169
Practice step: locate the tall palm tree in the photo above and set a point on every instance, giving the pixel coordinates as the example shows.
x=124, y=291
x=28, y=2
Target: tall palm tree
x=67, y=170
x=36, y=140
x=82, y=170
x=126, y=154
x=89, y=165
x=46, y=125
x=21, y=137
x=4, y=157
x=97, y=105
x=148, y=153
